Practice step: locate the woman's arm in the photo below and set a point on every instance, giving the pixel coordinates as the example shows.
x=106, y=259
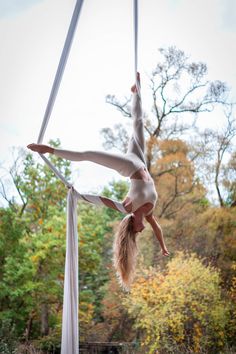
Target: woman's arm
x=103, y=201
x=109, y=203
x=158, y=233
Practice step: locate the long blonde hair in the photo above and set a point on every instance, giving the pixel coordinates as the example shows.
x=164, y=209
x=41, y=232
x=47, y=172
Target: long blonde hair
x=125, y=252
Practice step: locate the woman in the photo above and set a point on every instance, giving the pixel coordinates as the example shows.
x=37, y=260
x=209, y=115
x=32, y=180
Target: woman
x=141, y=198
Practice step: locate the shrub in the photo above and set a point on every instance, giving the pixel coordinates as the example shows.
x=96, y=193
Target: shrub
x=179, y=306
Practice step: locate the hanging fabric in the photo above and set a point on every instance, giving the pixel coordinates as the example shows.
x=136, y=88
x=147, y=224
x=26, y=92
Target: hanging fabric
x=135, y=26
x=61, y=68
x=135, y=11
x=70, y=335
x=57, y=82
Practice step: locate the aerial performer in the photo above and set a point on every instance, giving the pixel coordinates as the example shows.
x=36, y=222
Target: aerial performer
x=141, y=198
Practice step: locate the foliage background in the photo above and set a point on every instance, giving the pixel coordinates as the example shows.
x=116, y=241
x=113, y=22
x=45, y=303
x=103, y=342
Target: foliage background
x=184, y=303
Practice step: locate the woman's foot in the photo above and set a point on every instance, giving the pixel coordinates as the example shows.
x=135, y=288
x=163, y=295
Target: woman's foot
x=40, y=148
x=134, y=88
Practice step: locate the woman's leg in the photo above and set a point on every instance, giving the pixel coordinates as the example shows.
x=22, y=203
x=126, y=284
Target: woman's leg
x=120, y=163
x=137, y=141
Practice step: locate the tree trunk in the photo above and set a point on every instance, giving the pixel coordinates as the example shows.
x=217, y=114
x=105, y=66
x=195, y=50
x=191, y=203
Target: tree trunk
x=218, y=191
x=28, y=328
x=44, y=320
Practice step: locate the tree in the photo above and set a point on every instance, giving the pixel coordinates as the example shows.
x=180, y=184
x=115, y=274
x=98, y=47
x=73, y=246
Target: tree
x=208, y=231
x=26, y=261
x=214, y=159
x=180, y=92
x=180, y=307
x=178, y=87
x=33, y=277
x=14, y=265
x=32, y=245
x=96, y=230
x=36, y=185
x=230, y=180
x=175, y=178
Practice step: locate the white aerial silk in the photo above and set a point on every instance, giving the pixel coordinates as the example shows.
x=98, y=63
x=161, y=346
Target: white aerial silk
x=70, y=335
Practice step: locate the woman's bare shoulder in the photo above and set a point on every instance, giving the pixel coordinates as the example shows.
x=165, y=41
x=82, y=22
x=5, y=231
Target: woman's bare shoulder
x=150, y=218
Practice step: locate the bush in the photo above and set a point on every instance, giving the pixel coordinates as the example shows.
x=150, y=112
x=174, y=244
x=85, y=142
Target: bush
x=181, y=306
x=7, y=337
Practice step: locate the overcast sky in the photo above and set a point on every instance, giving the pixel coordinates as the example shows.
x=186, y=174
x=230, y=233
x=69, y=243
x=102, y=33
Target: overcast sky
x=32, y=34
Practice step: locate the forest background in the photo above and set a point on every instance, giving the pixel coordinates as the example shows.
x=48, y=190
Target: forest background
x=183, y=303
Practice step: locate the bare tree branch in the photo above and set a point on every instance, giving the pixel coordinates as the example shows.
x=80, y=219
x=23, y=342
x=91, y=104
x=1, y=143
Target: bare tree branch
x=124, y=108
x=168, y=215
x=224, y=142
x=3, y=193
x=174, y=197
x=179, y=86
x=118, y=140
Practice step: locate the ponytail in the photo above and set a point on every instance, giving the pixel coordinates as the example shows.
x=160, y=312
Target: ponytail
x=125, y=252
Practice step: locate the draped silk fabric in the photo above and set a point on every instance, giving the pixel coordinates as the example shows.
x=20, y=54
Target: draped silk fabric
x=70, y=335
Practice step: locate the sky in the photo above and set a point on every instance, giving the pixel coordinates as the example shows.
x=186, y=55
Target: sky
x=32, y=34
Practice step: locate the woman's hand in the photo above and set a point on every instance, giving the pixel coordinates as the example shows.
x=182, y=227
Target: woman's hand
x=40, y=148
x=134, y=88
x=165, y=252
x=158, y=233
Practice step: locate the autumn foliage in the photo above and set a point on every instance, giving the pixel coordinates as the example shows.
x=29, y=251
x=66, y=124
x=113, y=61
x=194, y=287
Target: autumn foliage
x=179, y=306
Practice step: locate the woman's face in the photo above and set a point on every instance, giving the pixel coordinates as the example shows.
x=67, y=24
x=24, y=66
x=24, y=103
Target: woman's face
x=138, y=224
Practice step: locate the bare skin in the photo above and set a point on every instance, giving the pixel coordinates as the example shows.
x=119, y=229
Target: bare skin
x=139, y=214
x=158, y=233
x=40, y=148
x=134, y=88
